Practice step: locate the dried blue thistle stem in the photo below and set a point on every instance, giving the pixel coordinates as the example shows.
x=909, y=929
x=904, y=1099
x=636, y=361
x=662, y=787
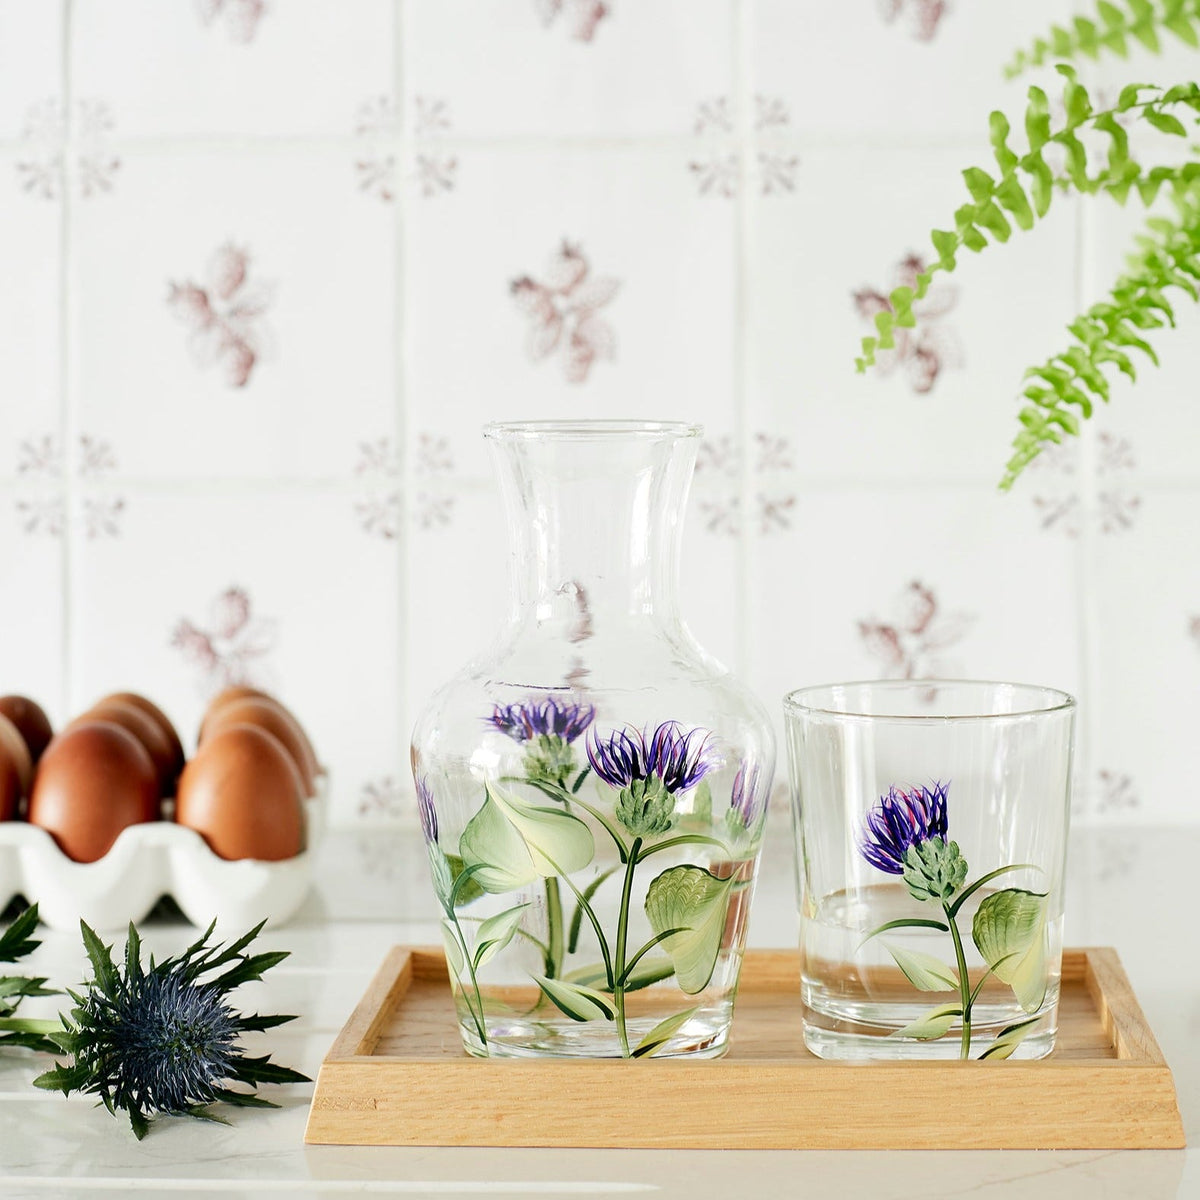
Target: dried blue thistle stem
x=15, y=944
x=165, y=1040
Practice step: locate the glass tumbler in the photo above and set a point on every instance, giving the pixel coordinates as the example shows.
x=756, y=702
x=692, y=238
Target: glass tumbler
x=931, y=827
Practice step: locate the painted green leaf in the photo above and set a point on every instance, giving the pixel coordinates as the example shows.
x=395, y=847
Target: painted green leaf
x=1007, y=1040
x=578, y=1002
x=693, y=901
x=469, y=890
x=662, y=1032
x=649, y=971
x=513, y=842
x=924, y=971
x=439, y=868
x=1010, y=932
x=454, y=954
x=496, y=932
x=934, y=1024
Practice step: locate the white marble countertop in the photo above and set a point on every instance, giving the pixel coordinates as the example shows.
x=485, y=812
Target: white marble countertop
x=1132, y=889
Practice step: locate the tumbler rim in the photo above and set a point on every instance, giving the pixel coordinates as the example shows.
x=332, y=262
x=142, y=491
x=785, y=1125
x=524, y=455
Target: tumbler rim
x=804, y=701
x=587, y=428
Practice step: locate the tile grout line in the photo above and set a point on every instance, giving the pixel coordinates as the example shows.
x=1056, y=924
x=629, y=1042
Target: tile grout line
x=400, y=416
x=1086, y=616
x=66, y=398
x=742, y=233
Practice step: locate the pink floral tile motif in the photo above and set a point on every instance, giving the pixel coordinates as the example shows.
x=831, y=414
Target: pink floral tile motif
x=40, y=167
x=40, y=509
x=239, y=18
x=932, y=347
x=1058, y=500
x=434, y=169
x=102, y=512
x=718, y=172
x=563, y=312
x=434, y=507
x=224, y=315
x=580, y=17
x=232, y=647
x=375, y=123
x=920, y=17
x=1194, y=629
x=719, y=482
x=911, y=642
x=382, y=799
x=378, y=505
x=1115, y=792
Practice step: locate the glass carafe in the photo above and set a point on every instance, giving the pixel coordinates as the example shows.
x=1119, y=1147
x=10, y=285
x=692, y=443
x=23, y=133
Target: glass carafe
x=593, y=788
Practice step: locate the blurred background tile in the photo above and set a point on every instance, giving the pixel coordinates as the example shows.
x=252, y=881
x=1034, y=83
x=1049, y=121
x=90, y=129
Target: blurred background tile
x=219, y=67
x=942, y=406
x=567, y=282
x=268, y=587
x=512, y=68
x=33, y=596
x=234, y=315
x=901, y=69
x=30, y=319
x=921, y=582
x=307, y=250
x=31, y=68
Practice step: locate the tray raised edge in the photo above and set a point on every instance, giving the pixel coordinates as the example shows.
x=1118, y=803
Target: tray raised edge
x=1123, y=1102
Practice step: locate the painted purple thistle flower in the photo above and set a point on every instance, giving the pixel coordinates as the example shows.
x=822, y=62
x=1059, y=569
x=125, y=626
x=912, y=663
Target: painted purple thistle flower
x=427, y=812
x=901, y=819
x=744, y=800
x=550, y=717
x=676, y=759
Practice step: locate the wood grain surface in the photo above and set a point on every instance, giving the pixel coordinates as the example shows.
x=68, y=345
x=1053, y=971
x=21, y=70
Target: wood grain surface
x=397, y=1075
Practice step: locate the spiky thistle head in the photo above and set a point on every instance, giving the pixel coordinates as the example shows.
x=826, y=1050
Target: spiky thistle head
x=165, y=1040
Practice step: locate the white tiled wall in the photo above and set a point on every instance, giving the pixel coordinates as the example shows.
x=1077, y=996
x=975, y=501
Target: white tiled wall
x=261, y=270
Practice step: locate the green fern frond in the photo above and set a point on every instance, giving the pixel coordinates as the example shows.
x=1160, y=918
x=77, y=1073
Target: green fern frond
x=1022, y=189
x=1116, y=25
x=1168, y=256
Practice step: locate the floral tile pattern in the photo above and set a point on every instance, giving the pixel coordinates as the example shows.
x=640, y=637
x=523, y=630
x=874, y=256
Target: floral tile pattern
x=257, y=313
x=563, y=310
x=920, y=17
x=911, y=642
x=579, y=17
x=1059, y=501
x=934, y=346
x=225, y=314
x=233, y=646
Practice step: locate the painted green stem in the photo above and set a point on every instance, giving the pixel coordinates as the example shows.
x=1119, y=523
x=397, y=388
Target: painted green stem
x=621, y=947
x=554, y=925
x=683, y=839
x=964, y=984
x=452, y=912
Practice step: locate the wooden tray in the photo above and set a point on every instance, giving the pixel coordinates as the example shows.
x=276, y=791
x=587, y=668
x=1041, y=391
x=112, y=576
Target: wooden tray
x=397, y=1076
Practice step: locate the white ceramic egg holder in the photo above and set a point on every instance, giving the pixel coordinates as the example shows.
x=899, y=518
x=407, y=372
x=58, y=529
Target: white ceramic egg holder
x=152, y=860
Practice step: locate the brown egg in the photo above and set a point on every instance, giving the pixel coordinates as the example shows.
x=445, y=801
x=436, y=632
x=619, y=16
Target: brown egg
x=13, y=745
x=233, y=695
x=152, y=710
x=147, y=731
x=10, y=788
x=243, y=794
x=31, y=721
x=94, y=780
x=277, y=721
